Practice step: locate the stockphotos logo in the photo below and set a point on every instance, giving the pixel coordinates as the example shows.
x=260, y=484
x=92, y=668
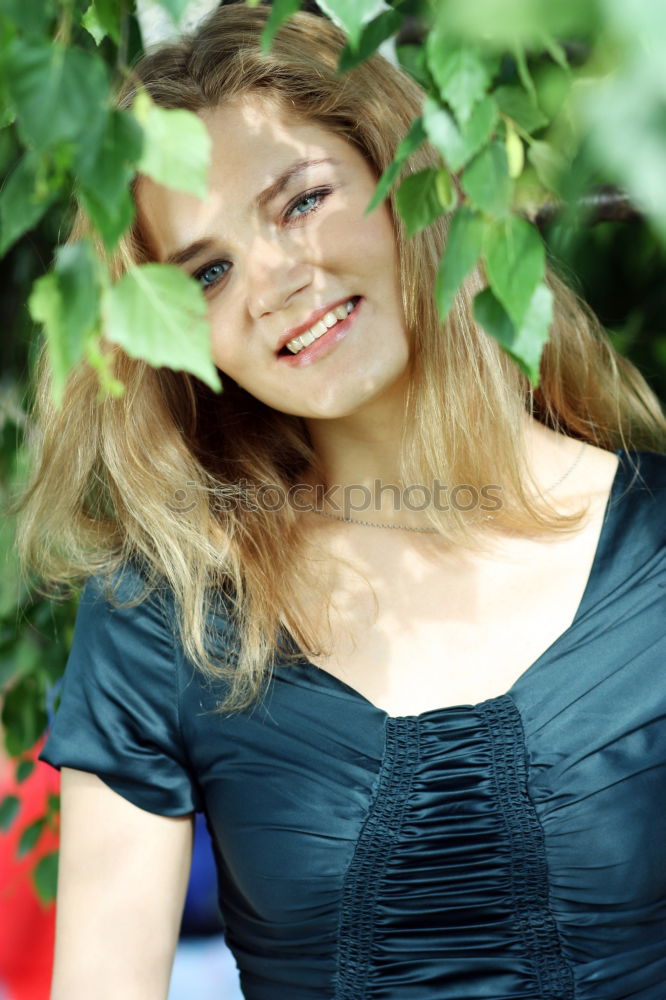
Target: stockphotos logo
x=353, y=498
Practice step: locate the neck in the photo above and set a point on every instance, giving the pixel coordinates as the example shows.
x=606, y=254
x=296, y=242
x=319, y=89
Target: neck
x=359, y=455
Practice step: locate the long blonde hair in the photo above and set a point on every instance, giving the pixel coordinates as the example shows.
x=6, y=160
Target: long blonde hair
x=106, y=474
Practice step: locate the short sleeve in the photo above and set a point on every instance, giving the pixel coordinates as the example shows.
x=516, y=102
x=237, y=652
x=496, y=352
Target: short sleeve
x=118, y=714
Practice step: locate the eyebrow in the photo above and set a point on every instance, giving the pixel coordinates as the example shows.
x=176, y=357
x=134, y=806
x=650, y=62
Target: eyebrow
x=264, y=197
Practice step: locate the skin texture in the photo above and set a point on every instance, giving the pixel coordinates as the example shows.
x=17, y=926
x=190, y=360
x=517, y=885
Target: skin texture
x=122, y=878
x=280, y=262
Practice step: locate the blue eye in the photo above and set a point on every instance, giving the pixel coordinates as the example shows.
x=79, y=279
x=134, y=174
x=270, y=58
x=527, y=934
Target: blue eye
x=313, y=199
x=211, y=274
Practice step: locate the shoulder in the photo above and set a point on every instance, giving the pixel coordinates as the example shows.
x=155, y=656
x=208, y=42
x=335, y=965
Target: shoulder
x=633, y=546
x=623, y=480
x=121, y=588
x=648, y=469
x=638, y=490
x=125, y=599
x=124, y=636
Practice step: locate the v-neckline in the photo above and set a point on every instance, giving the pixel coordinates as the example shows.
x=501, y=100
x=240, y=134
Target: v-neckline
x=604, y=543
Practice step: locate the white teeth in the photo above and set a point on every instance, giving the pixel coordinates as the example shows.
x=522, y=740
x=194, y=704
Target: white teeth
x=325, y=323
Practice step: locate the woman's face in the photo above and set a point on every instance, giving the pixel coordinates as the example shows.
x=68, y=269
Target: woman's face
x=273, y=262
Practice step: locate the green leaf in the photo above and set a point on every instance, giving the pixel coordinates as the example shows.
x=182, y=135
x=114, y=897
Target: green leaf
x=524, y=72
x=20, y=659
x=103, y=18
x=9, y=808
x=23, y=200
x=29, y=837
x=29, y=16
x=414, y=138
x=549, y=163
x=515, y=260
x=417, y=200
x=411, y=58
x=45, y=306
x=372, y=36
x=24, y=716
x=529, y=194
x=557, y=52
x=554, y=88
x=456, y=145
x=174, y=8
x=52, y=806
x=58, y=91
x=45, y=877
x=486, y=181
x=91, y=22
x=535, y=330
x=111, y=221
x=460, y=72
x=524, y=345
x=515, y=103
x=107, y=160
x=462, y=251
x=110, y=14
x=176, y=147
x=352, y=15
x=281, y=11
x=105, y=166
x=24, y=769
x=77, y=269
x=155, y=312
x=103, y=365
x=66, y=301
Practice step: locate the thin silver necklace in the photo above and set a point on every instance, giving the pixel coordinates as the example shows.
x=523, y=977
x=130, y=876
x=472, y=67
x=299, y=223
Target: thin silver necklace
x=406, y=527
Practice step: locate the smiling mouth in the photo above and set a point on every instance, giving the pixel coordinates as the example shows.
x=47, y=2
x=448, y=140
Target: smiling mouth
x=328, y=322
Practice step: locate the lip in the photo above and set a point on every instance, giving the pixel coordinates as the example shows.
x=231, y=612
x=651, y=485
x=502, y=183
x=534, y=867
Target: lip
x=325, y=343
x=296, y=331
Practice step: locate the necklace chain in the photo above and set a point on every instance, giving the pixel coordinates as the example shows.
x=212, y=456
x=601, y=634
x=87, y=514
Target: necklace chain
x=406, y=527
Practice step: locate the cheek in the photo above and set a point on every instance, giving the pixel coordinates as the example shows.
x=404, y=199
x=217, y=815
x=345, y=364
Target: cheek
x=225, y=345
x=378, y=242
x=366, y=249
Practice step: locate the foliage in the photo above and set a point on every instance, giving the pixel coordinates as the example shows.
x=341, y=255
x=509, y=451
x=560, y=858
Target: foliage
x=529, y=103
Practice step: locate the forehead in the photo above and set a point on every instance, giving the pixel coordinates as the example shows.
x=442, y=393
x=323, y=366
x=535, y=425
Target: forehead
x=253, y=139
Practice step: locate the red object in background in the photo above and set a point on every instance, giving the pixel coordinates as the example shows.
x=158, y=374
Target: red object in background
x=27, y=926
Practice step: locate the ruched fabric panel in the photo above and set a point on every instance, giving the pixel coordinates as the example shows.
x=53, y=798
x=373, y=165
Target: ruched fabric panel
x=448, y=885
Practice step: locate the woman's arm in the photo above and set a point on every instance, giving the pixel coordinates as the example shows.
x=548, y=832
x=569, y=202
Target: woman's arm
x=122, y=878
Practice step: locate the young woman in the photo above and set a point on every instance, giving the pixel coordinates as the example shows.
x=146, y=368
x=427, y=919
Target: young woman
x=416, y=686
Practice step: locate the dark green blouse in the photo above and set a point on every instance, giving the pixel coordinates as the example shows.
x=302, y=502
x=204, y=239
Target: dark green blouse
x=511, y=850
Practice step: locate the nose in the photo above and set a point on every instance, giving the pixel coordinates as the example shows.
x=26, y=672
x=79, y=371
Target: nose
x=276, y=272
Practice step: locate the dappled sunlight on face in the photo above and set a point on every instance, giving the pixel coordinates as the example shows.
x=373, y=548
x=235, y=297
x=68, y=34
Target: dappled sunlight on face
x=283, y=236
